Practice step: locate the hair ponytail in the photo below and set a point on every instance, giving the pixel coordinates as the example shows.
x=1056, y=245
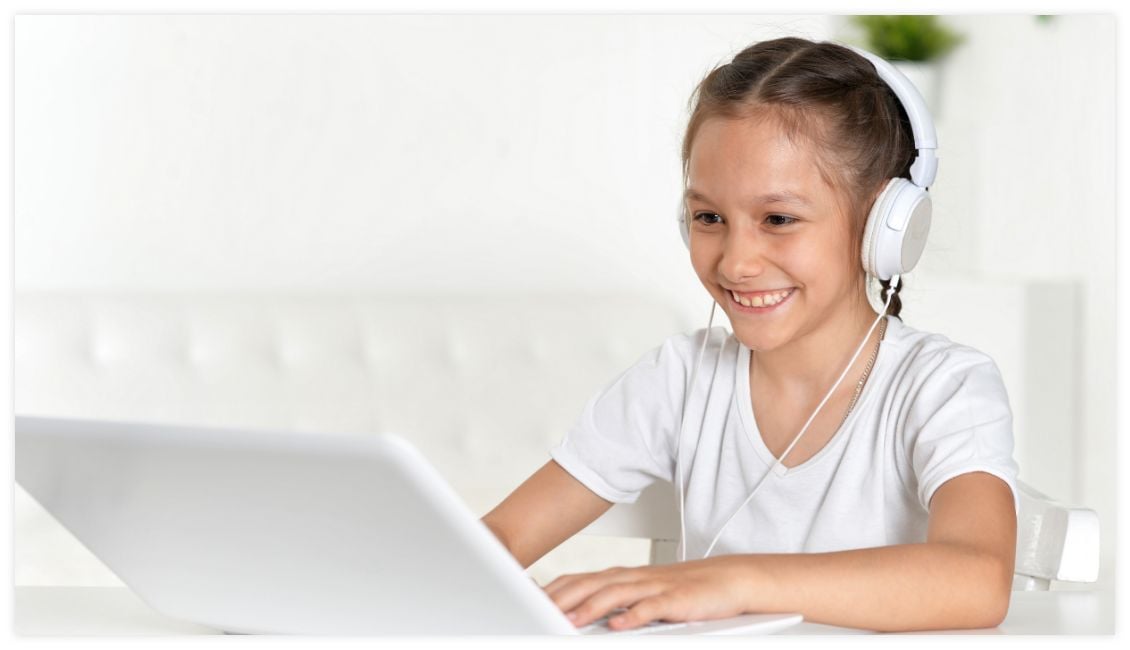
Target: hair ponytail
x=896, y=301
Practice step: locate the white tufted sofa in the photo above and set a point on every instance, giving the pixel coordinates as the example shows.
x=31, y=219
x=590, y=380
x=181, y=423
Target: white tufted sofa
x=482, y=385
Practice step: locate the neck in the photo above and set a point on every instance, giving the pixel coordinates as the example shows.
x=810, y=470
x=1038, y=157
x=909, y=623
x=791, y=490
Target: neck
x=809, y=365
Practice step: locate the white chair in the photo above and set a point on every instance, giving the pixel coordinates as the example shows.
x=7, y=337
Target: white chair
x=1053, y=541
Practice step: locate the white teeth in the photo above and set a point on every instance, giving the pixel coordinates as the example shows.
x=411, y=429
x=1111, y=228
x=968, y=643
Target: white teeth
x=766, y=300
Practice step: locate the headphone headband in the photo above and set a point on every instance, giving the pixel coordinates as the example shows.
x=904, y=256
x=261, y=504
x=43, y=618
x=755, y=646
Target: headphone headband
x=925, y=165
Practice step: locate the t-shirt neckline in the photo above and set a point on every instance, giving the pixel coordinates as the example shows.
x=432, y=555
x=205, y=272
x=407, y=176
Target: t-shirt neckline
x=753, y=433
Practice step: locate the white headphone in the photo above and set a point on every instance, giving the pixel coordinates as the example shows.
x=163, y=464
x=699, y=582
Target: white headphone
x=893, y=240
x=899, y=220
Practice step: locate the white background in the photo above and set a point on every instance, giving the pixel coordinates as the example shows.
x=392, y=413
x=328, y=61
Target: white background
x=1103, y=447
x=494, y=153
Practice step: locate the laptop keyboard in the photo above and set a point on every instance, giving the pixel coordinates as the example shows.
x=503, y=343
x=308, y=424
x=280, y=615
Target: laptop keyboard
x=600, y=625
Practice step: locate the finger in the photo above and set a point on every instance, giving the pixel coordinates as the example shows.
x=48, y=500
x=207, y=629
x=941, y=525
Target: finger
x=619, y=595
x=555, y=585
x=574, y=589
x=565, y=580
x=659, y=606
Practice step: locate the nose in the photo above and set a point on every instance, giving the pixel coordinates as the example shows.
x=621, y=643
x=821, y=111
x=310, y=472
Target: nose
x=743, y=255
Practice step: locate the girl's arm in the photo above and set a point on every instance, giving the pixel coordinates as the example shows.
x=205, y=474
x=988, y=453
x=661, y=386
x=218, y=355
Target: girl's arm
x=545, y=510
x=961, y=577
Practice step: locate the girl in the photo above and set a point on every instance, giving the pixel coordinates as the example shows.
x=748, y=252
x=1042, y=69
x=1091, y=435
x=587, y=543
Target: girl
x=829, y=460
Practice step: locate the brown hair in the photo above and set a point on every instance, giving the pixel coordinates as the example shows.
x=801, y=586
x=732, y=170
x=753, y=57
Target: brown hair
x=824, y=94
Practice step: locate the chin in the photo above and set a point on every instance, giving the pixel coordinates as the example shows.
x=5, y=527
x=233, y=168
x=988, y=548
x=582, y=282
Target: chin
x=755, y=340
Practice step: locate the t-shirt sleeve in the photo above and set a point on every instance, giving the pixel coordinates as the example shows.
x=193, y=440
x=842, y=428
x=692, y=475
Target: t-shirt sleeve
x=960, y=422
x=624, y=438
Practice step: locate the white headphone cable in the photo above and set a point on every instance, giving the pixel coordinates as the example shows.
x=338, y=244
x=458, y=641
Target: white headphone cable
x=682, y=423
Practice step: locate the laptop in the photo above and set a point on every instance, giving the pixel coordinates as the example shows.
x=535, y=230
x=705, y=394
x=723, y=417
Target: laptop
x=272, y=532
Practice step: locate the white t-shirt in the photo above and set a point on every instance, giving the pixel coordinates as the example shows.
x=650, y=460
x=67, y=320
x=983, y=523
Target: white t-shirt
x=931, y=410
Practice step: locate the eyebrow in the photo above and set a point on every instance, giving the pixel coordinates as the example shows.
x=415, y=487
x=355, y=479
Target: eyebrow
x=771, y=197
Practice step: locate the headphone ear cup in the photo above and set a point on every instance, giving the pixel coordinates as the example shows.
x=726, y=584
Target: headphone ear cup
x=874, y=219
x=684, y=229
x=896, y=230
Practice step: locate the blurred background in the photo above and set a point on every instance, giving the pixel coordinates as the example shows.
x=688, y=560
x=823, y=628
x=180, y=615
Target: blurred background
x=418, y=155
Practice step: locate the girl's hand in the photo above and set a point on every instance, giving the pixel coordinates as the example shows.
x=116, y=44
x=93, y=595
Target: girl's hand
x=685, y=591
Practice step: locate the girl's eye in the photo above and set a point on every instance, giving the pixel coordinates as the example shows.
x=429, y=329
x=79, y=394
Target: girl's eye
x=777, y=220
x=780, y=220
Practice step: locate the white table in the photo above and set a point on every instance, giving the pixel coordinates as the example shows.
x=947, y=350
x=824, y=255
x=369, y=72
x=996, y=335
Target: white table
x=116, y=611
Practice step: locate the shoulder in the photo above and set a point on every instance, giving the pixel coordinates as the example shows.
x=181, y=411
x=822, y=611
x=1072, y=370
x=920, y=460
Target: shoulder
x=951, y=410
x=935, y=381
x=683, y=349
x=660, y=375
x=929, y=357
x=938, y=387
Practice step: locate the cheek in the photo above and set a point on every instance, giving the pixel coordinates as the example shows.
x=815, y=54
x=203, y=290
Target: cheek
x=836, y=252
x=822, y=268
x=702, y=259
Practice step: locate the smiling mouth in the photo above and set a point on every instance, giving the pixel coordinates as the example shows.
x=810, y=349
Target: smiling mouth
x=762, y=300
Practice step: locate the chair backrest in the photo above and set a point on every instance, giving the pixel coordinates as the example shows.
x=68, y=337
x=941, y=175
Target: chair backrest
x=1053, y=541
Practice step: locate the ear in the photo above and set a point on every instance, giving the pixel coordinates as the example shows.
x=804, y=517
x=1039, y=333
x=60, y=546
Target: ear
x=877, y=192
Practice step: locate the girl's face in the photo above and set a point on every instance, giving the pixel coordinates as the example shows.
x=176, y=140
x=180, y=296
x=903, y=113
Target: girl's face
x=766, y=226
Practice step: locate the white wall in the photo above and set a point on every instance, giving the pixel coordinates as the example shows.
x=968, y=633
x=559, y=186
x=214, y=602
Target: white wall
x=504, y=152
x=1040, y=158
x=382, y=152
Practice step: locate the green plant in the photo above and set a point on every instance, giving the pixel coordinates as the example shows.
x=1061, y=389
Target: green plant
x=909, y=38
